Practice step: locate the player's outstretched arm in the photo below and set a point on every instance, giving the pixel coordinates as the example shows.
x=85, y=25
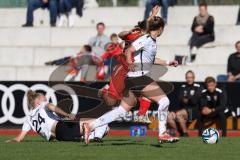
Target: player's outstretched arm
x=18, y=138
x=60, y=111
x=159, y=61
x=155, y=11
x=123, y=34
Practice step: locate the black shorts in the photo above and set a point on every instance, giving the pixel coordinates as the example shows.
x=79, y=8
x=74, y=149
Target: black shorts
x=68, y=131
x=136, y=84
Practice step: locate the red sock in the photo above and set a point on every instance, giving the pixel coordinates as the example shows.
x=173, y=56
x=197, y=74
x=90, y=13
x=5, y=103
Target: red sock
x=144, y=105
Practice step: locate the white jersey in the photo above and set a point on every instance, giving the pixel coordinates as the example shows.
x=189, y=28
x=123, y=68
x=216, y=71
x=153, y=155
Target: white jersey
x=40, y=120
x=145, y=52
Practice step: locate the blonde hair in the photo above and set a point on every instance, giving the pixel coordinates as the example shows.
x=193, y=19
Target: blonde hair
x=31, y=97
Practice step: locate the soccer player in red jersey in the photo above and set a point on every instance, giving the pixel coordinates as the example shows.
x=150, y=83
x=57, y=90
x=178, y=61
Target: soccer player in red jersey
x=116, y=86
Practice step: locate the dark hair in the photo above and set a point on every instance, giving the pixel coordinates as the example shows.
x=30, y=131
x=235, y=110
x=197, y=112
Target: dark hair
x=210, y=80
x=237, y=43
x=190, y=71
x=113, y=35
x=203, y=4
x=142, y=25
x=155, y=23
x=88, y=48
x=100, y=24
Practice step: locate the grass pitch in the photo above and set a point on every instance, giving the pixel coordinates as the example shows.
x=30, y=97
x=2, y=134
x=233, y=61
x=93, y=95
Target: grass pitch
x=120, y=148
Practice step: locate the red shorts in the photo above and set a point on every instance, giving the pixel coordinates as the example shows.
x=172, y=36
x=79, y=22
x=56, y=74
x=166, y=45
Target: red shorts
x=117, y=82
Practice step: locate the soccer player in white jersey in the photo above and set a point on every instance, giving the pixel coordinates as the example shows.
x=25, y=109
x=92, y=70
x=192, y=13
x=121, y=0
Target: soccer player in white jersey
x=43, y=120
x=147, y=48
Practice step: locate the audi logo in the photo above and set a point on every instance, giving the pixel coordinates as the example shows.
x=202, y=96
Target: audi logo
x=9, y=108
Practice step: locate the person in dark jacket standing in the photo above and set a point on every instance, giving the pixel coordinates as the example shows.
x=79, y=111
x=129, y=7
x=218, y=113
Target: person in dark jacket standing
x=233, y=67
x=212, y=105
x=203, y=31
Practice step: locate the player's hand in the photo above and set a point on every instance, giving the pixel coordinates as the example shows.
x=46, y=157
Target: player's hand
x=131, y=67
x=206, y=111
x=71, y=116
x=11, y=141
x=185, y=100
x=155, y=10
x=231, y=78
x=199, y=29
x=173, y=63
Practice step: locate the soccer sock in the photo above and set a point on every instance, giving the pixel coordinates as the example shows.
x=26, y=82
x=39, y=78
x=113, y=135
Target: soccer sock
x=109, y=117
x=144, y=105
x=162, y=114
x=99, y=132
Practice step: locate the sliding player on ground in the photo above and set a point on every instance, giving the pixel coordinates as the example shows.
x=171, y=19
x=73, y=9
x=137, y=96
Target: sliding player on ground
x=44, y=120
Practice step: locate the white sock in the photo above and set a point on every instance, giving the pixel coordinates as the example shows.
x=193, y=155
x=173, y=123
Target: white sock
x=71, y=19
x=99, y=132
x=109, y=117
x=162, y=114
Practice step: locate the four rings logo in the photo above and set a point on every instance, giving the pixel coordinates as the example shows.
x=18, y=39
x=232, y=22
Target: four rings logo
x=8, y=96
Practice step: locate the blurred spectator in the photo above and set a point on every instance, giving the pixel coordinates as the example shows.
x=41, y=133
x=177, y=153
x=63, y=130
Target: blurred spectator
x=188, y=109
x=195, y=2
x=212, y=105
x=99, y=42
x=66, y=15
x=203, y=31
x=35, y=4
x=80, y=64
x=238, y=18
x=65, y=12
x=113, y=50
x=164, y=10
x=233, y=67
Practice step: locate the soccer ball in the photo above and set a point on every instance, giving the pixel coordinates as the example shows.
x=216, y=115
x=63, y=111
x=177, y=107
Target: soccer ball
x=210, y=136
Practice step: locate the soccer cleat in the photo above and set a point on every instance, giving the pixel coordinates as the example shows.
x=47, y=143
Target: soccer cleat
x=86, y=133
x=97, y=140
x=142, y=119
x=166, y=138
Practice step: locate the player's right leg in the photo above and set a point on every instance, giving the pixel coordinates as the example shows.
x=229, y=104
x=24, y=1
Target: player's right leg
x=156, y=94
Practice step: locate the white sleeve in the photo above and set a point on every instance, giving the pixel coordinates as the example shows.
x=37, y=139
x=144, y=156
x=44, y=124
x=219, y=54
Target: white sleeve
x=26, y=126
x=139, y=43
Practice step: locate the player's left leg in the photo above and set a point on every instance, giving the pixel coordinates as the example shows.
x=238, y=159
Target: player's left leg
x=144, y=105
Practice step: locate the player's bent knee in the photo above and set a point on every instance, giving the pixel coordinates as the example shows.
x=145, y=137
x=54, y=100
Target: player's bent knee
x=163, y=104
